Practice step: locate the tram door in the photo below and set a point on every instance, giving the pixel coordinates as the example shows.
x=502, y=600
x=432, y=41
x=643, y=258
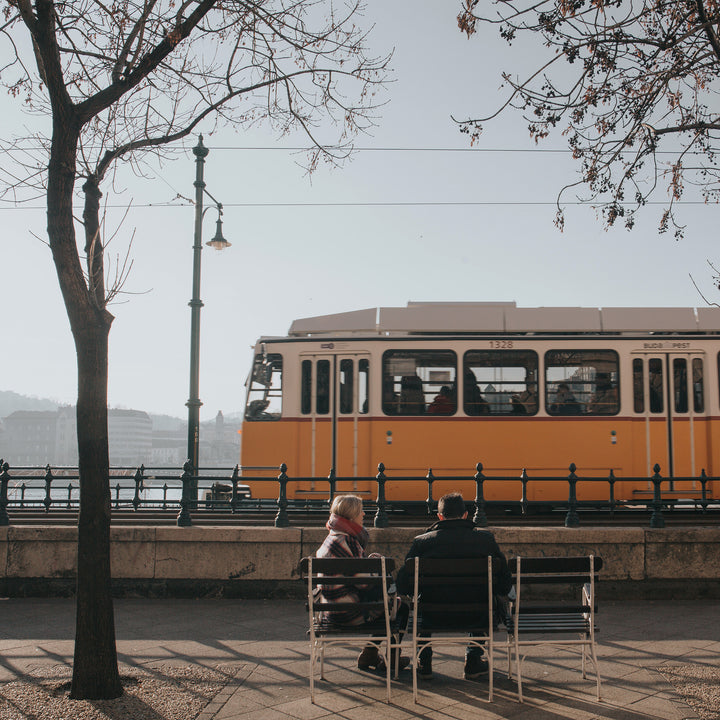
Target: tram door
x=334, y=403
x=669, y=390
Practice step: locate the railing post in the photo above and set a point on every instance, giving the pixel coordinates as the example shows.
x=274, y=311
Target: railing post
x=480, y=518
x=234, y=496
x=703, y=485
x=333, y=485
x=47, y=502
x=139, y=486
x=281, y=519
x=430, y=502
x=523, y=500
x=4, y=481
x=381, y=518
x=69, y=500
x=611, y=481
x=118, y=487
x=572, y=519
x=656, y=519
x=183, y=518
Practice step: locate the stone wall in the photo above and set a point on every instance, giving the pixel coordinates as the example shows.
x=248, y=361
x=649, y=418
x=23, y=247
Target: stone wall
x=264, y=561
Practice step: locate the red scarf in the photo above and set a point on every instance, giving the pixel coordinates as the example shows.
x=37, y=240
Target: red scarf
x=343, y=525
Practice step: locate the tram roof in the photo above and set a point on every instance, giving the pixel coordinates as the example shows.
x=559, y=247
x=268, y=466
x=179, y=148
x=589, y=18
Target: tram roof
x=422, y=318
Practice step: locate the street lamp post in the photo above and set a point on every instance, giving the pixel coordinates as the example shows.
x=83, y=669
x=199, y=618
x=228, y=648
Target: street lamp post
x=219, y=243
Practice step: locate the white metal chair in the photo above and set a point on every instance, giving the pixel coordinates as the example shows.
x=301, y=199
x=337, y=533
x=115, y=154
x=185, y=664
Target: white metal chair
x=451, y=621
x=562, y=623
x=350, y=572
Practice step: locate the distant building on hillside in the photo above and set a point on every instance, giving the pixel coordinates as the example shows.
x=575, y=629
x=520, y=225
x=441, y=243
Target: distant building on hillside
x=29, y=437
x=38, y=438
x=130, y=437
x=219, y=443
x=169, y=448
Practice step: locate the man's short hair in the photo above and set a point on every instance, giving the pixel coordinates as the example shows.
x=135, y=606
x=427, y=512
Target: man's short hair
x=451, y=506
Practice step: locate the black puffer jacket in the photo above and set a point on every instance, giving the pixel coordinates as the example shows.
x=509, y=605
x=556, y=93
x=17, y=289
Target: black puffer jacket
x=455, y=539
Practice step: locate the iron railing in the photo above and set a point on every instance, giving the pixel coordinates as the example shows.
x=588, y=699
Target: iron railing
x=165, y=489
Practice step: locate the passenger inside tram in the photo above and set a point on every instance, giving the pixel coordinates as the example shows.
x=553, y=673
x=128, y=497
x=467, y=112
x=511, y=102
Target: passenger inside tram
x=605, y=398
x=525, y=403
x=565, y=402
x=475, y=403
x=412, y=397
x=444, y=402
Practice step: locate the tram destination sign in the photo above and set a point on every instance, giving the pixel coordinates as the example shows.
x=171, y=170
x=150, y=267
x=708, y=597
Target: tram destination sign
x=666, y=345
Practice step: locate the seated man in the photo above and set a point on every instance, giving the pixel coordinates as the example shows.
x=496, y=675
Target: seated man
x=455, y=536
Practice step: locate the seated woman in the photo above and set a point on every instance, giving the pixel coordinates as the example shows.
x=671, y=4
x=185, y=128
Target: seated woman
x=347, y=538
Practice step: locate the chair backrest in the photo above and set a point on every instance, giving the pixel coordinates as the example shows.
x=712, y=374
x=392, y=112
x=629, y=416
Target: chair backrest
x=340, y=573
x=580, y=570
x=535, y=570
x=453, y=587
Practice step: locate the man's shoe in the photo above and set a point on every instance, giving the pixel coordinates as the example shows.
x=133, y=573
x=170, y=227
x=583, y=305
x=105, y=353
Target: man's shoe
x=424, y=669
x=475, y=667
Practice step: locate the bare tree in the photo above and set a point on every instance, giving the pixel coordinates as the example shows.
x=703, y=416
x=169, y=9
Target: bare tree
x=631, y=84
x=127, y=77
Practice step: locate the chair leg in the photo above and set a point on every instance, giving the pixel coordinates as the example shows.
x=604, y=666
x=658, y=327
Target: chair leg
x=490, y=653
x=518, y=669
x=312, y=673
x=414, y=667
x=509, y=657
x=597, y=668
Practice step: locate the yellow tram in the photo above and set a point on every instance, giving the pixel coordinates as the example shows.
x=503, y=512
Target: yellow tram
x=445, y=385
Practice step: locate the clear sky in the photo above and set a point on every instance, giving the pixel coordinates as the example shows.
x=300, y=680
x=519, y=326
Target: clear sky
x=436, y=225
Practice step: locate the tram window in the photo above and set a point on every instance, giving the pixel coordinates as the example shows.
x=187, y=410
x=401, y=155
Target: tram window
x=306, y=387
x=584, y=381
x=363, y=386
x=698, y=387
x=419, y=382
x=638, y=386
x=322, y=399
x=655, y=377
x=680, y=385
x=500, y=382
x=264, y=398
x=346, y=386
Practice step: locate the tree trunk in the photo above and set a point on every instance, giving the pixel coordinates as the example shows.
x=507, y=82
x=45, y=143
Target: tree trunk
x=95, y=669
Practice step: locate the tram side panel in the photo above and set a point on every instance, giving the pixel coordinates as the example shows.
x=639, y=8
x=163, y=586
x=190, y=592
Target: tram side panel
x=542, y=446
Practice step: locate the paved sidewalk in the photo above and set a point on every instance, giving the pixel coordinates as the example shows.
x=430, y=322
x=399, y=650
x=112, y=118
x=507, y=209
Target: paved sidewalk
x=263, y=643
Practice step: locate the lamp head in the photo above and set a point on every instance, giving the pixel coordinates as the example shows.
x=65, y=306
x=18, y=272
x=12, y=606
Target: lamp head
x=218, y=242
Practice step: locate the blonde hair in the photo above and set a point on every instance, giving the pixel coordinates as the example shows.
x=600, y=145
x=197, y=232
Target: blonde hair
x=347, y=506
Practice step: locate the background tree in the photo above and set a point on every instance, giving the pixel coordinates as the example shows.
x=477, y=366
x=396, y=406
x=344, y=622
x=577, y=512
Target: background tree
x=122, y=78
x=631, y=84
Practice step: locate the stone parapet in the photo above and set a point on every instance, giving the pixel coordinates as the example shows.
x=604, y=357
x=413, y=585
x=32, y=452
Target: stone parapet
x=262, y=561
